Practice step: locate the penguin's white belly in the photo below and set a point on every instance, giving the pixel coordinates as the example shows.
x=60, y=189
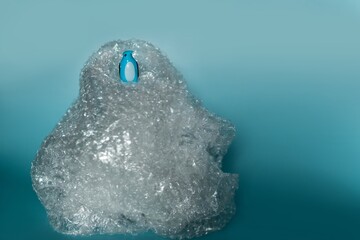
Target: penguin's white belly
x=129, y=71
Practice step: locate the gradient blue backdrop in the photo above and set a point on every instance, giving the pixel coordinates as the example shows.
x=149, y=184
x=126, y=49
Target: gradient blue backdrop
x=286, y=73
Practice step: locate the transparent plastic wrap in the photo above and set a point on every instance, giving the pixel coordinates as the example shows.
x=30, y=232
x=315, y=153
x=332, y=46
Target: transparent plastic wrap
x=129, y=158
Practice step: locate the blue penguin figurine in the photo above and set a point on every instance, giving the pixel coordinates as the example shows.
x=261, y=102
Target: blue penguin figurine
x=128, y=68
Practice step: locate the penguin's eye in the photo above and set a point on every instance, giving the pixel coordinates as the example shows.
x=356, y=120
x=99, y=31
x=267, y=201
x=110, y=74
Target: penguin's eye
x=125, y=55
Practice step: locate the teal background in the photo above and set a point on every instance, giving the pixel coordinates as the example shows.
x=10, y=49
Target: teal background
x=286, y=73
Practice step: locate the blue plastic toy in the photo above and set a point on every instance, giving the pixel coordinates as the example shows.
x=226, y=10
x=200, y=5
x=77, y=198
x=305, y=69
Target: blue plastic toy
x=128, y=68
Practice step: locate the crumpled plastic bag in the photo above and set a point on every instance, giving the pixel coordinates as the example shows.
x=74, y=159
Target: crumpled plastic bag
x=129, y=158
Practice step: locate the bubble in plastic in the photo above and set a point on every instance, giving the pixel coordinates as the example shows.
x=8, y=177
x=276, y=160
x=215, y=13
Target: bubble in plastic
x=131, y=158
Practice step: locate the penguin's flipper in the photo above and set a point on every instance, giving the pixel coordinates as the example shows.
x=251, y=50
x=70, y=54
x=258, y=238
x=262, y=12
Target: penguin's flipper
x=120, y=72
x=137, y=69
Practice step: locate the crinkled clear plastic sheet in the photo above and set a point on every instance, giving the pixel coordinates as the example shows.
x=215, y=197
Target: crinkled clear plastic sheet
x=129, y=158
